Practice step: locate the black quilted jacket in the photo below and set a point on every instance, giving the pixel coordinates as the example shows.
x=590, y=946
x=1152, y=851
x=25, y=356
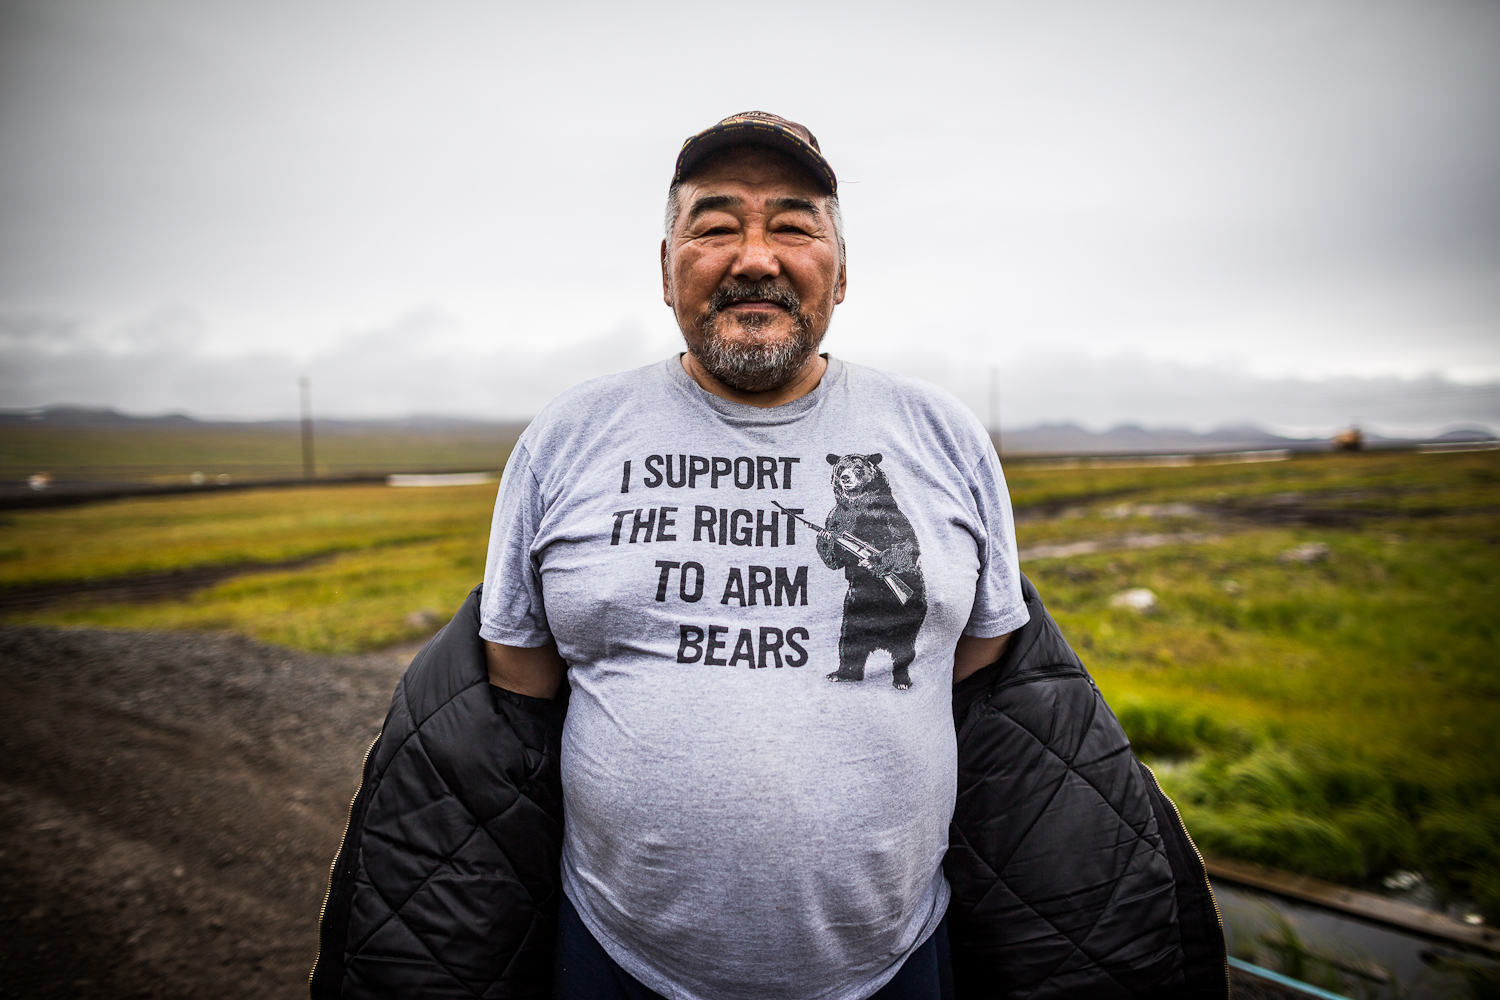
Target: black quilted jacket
x=1072, y=874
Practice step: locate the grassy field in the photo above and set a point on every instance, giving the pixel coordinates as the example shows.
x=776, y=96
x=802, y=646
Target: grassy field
x=384, y=556
x=1334, y=716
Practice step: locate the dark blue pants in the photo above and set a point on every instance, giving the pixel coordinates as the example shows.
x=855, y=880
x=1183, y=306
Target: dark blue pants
x=584, y=970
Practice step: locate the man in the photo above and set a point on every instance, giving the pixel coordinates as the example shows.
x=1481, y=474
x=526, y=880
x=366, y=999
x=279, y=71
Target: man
x=793, y=842
x=760, y=572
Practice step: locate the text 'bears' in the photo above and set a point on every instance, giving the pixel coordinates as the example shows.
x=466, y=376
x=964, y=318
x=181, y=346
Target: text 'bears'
x=774, y=649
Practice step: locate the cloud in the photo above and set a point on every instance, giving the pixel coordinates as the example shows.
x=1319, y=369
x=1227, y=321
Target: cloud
x=1101, y=392
x=420, y=362
x=423, y=362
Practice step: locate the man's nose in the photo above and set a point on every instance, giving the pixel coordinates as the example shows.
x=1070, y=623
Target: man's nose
x=757, y=258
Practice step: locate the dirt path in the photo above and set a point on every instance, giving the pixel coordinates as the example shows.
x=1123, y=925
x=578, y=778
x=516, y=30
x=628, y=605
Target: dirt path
x=140, y=588
x=169, y=807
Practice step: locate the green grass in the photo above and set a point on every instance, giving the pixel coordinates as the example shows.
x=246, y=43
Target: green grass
x=359, y=601
x=388, y=553
x=126, y=537
x=1335, y=718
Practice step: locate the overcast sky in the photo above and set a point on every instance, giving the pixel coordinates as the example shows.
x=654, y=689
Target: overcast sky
x=455, y=207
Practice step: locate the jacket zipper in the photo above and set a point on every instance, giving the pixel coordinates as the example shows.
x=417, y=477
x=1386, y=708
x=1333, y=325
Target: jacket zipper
x=1038, y=675
x=1202, y=864
x=333, y=866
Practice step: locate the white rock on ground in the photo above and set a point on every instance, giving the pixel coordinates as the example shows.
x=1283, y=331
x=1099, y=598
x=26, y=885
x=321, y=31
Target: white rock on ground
x=1309, y=552
x=1138, y=599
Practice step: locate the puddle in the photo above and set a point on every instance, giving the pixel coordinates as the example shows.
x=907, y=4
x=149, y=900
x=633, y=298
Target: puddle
x=1372, y=961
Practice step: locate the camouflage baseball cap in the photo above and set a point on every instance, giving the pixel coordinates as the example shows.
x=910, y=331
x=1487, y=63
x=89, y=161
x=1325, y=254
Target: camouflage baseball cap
x=757, y=128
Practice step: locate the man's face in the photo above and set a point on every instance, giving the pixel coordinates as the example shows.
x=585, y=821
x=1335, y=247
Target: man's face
x=751, y=268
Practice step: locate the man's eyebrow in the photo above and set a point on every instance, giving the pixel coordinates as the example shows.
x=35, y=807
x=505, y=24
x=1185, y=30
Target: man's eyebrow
x=792, y=205
x=709, y=203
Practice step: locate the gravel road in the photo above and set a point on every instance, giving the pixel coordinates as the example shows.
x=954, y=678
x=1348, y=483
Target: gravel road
x=169, y=807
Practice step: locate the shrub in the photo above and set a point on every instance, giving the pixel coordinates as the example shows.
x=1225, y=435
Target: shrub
x=1461, y=848
x=1172, y=731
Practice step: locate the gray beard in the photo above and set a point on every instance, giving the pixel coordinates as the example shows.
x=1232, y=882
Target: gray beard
x=757, y=365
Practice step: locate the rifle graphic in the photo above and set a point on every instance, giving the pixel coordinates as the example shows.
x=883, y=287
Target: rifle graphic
x=864, y=550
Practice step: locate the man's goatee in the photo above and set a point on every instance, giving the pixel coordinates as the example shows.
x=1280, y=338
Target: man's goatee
x=756, y=365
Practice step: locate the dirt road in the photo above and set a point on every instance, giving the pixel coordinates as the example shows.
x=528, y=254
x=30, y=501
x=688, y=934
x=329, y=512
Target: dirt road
x=169, y=807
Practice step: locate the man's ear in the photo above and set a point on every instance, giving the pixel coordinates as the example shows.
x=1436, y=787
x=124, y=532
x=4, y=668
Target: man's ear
x=666, y=280
x=838, y=292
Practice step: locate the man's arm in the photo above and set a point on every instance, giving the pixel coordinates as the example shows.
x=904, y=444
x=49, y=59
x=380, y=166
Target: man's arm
x=971, y=655
x=537, y=672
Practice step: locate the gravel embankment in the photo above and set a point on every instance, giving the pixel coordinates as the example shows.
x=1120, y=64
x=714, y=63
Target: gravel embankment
x=169, y=807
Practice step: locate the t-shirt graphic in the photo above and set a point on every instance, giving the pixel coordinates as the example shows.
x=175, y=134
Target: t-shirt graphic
x=868, y=537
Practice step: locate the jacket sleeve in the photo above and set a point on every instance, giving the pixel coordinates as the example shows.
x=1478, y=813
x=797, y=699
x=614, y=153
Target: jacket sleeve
x=1068, y=879
x=446, y=884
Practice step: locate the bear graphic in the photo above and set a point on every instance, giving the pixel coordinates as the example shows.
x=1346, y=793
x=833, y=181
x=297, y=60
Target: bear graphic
x=868, y=537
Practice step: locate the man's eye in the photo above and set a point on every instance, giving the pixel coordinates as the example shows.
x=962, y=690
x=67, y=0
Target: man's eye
x=717, y=231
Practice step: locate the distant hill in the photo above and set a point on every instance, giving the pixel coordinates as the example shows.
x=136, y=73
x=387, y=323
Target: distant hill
x=78, y=416
x=1132, y=439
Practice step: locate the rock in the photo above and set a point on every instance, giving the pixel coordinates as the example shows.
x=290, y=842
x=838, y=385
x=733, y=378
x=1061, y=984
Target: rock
x=1138, y=599
x=1402, y=881
x=1309, y=552
x=1150, y=510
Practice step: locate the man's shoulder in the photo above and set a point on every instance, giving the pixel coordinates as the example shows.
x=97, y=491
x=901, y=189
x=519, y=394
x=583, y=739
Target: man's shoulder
x=931, y=403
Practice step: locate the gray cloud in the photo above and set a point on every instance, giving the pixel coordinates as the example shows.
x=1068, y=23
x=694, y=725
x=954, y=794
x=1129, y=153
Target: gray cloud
x=415, y=364
x=1099, y=393
x=421, y=363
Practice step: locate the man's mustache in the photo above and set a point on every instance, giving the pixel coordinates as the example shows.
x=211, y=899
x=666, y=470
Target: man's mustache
x=754, y=291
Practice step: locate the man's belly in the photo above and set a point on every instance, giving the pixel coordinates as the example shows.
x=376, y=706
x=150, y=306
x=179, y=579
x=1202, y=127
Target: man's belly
x=753, y=842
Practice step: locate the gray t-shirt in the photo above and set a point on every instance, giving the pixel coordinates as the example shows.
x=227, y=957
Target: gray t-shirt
x=739, y=823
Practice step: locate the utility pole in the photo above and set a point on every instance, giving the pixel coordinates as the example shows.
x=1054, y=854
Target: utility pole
x=309, y=469
x=995, y=406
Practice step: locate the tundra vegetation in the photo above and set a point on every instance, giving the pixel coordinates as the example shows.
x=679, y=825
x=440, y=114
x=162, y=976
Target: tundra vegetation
x=1316, y=681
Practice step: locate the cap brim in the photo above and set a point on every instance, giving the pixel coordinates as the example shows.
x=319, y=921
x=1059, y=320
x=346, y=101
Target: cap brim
x=754, y=133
